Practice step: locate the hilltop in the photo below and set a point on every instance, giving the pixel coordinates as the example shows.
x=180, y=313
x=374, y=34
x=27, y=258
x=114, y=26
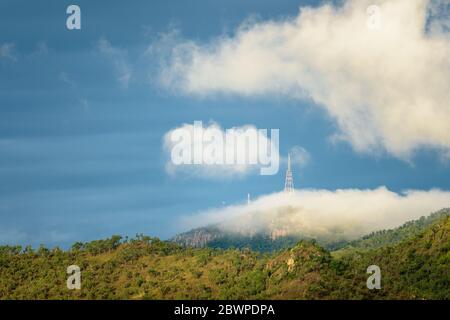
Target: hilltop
x=214, y=237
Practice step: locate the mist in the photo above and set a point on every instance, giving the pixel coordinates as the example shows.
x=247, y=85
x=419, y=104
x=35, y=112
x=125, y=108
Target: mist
x=343, y=214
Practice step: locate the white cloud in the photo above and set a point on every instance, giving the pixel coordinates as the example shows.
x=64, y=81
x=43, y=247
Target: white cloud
x=7, y=52
x=223, y=170
x=333, y=215
x=387, y=89
x=118, y=58
x=300, y=157
x=64, y=77
x=41, y=48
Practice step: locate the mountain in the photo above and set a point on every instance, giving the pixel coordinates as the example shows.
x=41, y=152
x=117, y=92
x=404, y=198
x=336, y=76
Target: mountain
x=275, y=239
x=414, y=267
x=214, y=237
x=199, y=237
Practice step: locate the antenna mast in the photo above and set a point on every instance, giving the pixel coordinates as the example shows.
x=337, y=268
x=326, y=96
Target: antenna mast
x=289, y=182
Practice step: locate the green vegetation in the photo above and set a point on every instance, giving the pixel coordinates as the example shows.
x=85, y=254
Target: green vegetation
x=414, y=266
x=262, y=243
x=409, y=229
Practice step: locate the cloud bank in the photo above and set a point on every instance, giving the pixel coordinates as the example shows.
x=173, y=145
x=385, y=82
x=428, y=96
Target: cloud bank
x=333, y=215
x=387, y=88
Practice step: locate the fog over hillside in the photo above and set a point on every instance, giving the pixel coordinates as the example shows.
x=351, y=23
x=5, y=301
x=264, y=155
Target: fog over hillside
x=343, y=214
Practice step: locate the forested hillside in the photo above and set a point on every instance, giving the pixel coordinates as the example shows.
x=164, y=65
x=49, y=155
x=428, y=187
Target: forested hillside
x=389, y=237
x=147, y=268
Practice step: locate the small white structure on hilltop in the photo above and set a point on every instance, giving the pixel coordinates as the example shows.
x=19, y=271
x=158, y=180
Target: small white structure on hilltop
x=289, y=182
x=248, y=198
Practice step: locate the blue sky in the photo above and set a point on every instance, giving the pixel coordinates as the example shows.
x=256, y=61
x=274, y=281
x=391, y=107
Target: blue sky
x=81, y=152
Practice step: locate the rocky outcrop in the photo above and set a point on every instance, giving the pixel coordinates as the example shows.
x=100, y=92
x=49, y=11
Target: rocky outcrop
x=198, y=238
